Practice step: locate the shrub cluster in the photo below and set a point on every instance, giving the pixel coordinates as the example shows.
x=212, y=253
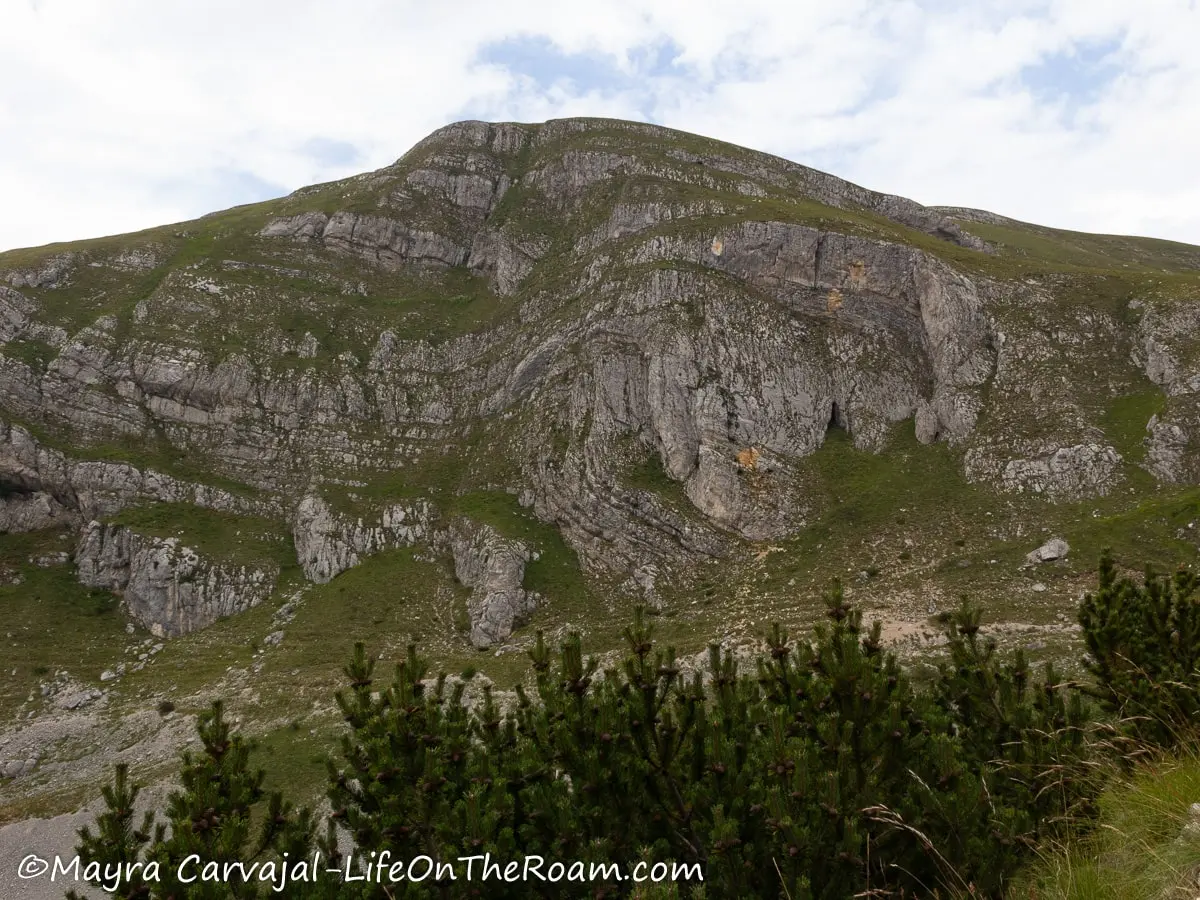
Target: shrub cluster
x=826, y=772
x=1143, y=643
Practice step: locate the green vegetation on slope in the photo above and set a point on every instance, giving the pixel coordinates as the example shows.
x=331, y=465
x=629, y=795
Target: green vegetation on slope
x=556, y=571
x=1085, y=250
x=51, y=622
x=820, y=771
x=220, y=536
x=1125, y=421
x=1138, y=849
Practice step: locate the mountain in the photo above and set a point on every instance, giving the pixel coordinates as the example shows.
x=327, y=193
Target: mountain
x=530, y=375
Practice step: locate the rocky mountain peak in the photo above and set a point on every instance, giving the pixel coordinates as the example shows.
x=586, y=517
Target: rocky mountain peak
x=637, y=338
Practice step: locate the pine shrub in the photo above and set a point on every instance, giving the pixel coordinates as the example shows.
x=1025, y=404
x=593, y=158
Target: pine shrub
x=822, y=772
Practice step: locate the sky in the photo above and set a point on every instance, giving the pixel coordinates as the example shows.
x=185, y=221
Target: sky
x=125, y=114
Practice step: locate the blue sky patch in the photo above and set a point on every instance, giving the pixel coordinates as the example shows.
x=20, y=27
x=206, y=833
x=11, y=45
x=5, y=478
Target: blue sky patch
x=331, y=153
x=1075, y=76
x=540, y=60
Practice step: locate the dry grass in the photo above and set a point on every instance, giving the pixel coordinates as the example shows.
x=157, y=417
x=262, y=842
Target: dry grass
x=1141, y=848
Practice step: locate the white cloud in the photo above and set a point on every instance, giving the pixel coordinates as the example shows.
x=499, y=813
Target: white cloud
x=132, y=113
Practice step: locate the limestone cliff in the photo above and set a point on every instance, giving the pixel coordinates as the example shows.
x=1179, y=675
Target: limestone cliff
x=167, y=586
x=641, y=333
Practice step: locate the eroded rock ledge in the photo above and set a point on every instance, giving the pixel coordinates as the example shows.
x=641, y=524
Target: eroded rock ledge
x=167, y=586
x=328, y=543
x=493, y=567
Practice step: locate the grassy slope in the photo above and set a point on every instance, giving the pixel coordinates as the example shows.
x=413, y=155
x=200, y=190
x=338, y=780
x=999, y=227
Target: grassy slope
x=222, y=537
x=1136, y=852
x=47, y=605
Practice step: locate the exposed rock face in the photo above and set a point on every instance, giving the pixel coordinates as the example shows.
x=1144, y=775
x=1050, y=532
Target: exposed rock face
x=642, y=333
x=504, y=260
x=32, y=512
x=814, y=329
x=166, y=586
x=19, y=320
x=44, y=482
x=643, y=583
x=881, y=297
x=1167, y=450
x=493, y=567
x=327, y=543
x=1166, y=336
x=1168, y=340
x=383, y=241
x=1064, y=473
x=15, y=311
x=53, y=272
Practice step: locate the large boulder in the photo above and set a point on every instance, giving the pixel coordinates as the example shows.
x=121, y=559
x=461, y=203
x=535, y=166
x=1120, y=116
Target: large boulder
x=1055, y=548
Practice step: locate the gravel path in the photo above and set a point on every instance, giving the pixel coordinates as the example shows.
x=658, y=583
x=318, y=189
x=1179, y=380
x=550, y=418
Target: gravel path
x=47, y=838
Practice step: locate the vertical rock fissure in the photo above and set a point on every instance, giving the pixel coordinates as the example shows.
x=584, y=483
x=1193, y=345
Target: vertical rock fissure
x=817, y=253
x=836, y=419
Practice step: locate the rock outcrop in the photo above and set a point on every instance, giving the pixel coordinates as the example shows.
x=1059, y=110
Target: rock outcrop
x=166, y=586
x=33, y=511
x=1166, y=349
x=493, y=567
x=1067, y=473
x=385, y=242
x=328, y=543
x=1055, y=548
x=39, y=477
x=754, y=350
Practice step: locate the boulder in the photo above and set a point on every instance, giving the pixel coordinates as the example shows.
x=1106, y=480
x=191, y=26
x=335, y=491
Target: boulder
x=1055, y=548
